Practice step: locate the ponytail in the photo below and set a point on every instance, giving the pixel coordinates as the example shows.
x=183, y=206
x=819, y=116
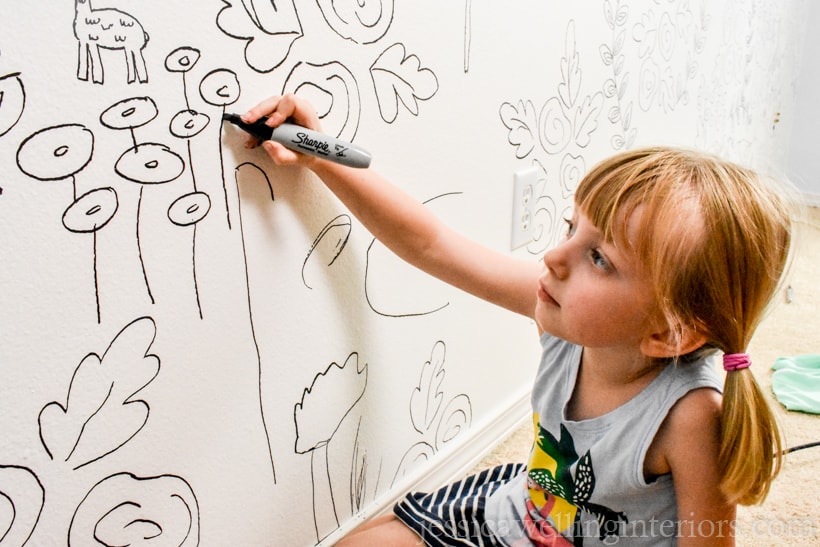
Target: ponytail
x=750, y=445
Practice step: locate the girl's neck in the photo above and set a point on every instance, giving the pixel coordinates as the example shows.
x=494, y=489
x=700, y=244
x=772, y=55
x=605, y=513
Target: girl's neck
x=607, y=380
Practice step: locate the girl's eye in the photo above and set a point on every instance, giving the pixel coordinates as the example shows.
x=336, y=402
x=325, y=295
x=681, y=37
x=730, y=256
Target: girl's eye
x=570, y=227
x=600, y=260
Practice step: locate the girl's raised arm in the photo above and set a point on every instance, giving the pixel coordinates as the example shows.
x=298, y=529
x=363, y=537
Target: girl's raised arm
x=406, y=226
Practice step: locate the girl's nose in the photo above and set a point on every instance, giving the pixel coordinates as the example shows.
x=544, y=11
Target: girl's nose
x=555, y=260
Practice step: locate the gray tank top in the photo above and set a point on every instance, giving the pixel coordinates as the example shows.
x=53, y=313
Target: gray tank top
x=585, y=478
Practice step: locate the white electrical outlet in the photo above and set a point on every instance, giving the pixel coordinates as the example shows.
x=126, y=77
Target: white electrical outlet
x=524, y=182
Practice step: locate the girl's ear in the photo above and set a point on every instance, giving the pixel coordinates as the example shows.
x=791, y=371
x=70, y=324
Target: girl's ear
x=663, y=344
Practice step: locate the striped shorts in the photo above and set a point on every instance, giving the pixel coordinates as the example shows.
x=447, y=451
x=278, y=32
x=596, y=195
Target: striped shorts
x=454, y=514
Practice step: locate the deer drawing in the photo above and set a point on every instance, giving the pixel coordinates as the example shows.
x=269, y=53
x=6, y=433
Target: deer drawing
x=108, y=29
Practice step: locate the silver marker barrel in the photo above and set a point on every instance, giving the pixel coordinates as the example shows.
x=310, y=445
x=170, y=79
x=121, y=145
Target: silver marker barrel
x=306, y=141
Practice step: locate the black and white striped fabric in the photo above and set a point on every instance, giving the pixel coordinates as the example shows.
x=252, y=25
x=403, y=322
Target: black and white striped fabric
x=454, y=514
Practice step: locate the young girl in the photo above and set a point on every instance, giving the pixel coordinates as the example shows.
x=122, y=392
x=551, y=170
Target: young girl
x=669, y=260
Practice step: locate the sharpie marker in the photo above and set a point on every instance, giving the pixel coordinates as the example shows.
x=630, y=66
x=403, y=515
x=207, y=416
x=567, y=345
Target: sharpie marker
x=306, y=141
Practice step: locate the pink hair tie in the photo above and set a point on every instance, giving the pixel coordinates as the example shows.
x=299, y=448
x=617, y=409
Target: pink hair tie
x=735, y=361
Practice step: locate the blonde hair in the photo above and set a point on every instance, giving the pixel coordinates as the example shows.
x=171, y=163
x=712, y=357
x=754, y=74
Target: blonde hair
x=715, y=243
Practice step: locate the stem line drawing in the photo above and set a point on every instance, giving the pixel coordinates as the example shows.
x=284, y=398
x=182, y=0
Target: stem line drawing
x=241, y=172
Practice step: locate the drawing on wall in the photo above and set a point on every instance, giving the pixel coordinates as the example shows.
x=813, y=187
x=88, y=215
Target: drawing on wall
x=563, y=127
x=124, y=509
x=327, y=246
x=360, y=470
x=100, y=415
x=269, y=30
x=385, y=294
x=106, y=404
x=220, y=88
x=255, y=177
x=109, y=29
x=12, y=101
x=190, y=208
x=101, y=412
x=21, y=504
x=436, y=421
x=468, y=33
x=330, y=398
x=146, y=163
x=59, y=153
x=400, y=78
x=360, y=21
x=669, y=42
x=333, y=90
x=612, y=55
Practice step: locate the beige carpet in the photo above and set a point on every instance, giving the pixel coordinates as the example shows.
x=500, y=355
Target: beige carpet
x=790, y=516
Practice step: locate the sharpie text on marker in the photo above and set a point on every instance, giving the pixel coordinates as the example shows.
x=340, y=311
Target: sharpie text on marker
x=305, y=140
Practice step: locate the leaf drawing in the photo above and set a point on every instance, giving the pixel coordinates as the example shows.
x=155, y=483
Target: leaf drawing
x=438, y=422
x=427, y=397
x=522, y=121
x=586, y=118
x=101, y=414
x=398, y=77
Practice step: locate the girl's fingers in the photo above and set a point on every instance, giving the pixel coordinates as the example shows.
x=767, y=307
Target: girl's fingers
x=264, y=108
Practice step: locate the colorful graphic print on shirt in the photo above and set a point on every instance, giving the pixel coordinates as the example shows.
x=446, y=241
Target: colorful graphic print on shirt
x=561, y=484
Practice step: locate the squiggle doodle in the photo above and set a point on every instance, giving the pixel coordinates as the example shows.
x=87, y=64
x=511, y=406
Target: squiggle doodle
x=21, y=504
x=125, y=509
x=101, y=414
x=361, y=21
x=333, y=91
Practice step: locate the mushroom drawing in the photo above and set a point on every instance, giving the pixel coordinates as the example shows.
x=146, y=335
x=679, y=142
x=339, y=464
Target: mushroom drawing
x=318, y=416
x=220, y=88
x=59, y=153
x=146, y=163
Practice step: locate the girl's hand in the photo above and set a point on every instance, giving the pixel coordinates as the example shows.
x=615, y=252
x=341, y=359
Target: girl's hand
x=278, y=109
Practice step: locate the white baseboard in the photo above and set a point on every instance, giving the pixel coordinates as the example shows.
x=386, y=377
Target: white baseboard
x=448, y=466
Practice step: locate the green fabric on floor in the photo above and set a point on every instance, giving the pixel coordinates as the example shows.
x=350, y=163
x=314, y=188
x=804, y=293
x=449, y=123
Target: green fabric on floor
x=796, y=382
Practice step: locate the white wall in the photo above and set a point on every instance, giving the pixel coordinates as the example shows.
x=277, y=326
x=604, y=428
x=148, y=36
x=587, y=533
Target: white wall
x=803, y=160
x=269, y=375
